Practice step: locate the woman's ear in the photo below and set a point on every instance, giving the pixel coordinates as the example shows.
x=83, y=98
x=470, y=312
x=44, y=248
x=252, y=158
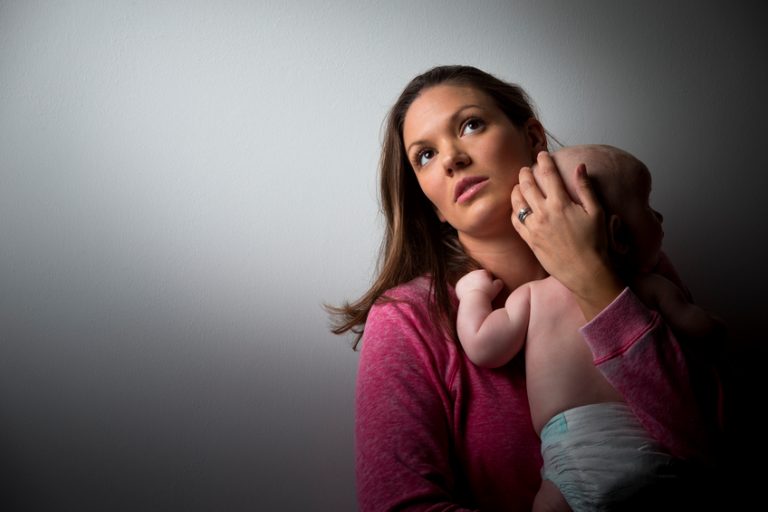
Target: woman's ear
x=537, y=136
x=618, y=238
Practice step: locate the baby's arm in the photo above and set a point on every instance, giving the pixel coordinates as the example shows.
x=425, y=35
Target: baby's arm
x=490, y=337
x=684, y=317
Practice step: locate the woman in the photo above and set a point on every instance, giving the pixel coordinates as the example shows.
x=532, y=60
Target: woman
x=433, y=431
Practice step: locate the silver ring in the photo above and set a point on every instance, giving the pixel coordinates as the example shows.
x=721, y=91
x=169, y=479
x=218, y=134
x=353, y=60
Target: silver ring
x=523, y=213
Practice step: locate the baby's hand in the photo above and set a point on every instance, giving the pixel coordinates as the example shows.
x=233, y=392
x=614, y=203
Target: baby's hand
x=479, y=280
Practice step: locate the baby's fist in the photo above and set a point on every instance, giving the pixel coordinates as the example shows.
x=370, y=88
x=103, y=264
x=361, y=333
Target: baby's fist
x=478, y=280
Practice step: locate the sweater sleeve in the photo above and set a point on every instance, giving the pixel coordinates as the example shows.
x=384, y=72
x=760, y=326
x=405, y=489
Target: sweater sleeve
x=642, y=359
x=402, y=431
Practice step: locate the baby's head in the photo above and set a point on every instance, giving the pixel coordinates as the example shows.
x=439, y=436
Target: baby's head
x=623, y=185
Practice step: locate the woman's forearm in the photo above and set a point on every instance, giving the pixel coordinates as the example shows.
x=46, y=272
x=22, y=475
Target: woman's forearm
x=641, y=357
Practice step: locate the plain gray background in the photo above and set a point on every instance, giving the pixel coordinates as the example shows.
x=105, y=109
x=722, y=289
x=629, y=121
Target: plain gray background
x=183, y=184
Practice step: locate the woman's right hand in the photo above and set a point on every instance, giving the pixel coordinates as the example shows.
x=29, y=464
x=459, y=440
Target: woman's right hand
x=569, y=239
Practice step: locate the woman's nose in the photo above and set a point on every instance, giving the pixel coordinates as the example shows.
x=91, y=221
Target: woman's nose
x=659, y=216
x=455, y=160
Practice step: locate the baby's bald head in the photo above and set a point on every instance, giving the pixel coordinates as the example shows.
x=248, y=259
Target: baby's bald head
x=614, y=172
x=622, y=184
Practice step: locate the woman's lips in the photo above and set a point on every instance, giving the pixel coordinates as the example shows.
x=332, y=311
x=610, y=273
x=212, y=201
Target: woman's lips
x=468, y=187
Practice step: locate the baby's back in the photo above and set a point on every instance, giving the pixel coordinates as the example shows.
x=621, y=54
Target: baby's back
x=560, y=373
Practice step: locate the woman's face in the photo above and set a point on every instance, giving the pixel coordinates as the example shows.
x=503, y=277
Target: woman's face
x=467, y=155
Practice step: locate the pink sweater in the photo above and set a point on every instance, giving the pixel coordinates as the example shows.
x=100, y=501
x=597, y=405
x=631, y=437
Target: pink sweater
x=435, y=432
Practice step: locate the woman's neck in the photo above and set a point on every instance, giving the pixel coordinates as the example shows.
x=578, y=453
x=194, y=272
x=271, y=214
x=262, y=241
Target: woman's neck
x=507, y=257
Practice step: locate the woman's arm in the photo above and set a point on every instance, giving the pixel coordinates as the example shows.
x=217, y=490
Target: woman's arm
x=631, y=344
x=641, y=357
x=403, y=440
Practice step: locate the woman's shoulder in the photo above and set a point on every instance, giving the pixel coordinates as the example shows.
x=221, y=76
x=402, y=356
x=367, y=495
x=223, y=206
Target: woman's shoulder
x=416, y=289
x=402, y=316
x=406, y=301
x=413, y=299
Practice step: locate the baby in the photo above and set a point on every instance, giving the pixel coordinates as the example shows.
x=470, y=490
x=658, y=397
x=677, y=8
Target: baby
x=595, y=452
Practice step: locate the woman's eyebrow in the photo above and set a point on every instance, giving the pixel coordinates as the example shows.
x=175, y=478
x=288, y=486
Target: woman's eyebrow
x=450, y=119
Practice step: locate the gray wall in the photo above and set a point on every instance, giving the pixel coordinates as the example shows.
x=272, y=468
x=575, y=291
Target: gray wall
x=182, y=184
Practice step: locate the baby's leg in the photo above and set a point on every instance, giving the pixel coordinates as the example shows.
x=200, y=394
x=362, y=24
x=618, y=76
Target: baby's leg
x=550, y=499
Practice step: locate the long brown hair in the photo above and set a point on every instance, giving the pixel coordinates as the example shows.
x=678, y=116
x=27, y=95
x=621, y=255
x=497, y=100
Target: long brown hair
x=415, y=242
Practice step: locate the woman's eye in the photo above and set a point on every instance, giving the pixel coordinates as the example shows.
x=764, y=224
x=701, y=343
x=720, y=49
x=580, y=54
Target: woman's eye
x=424, y=156
x=472, y=125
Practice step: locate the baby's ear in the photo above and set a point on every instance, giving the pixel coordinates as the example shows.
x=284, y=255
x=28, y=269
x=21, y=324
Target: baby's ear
x=617, y=235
